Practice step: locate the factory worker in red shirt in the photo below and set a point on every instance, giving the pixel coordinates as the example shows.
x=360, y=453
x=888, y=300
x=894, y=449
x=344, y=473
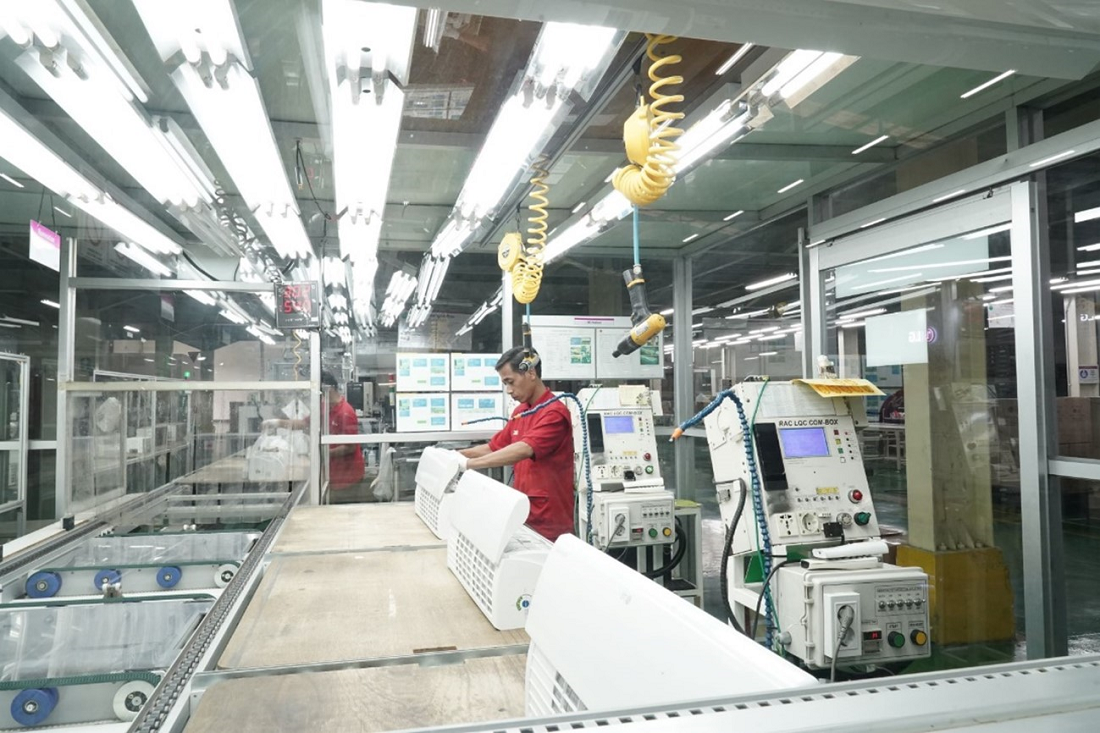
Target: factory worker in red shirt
x=539, y=447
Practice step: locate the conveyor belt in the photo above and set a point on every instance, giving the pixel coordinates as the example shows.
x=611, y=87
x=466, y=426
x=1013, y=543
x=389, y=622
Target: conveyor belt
x=349, y=606
x=371, y=699
x=353, y=527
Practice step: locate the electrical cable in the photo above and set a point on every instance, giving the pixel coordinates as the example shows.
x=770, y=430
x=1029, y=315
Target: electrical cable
x=190, y=261
x=760, y=598
x=648, y=133
x=846, y=620
x=637, y=240
x=301, y=163
x=676, y=558
x=727, y=552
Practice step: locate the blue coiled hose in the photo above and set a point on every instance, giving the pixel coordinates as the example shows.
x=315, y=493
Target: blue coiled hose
x=757, y=500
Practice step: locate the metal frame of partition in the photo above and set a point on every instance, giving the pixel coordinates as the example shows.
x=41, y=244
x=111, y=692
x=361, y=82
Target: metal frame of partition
x=67, y=386
x=21, y=444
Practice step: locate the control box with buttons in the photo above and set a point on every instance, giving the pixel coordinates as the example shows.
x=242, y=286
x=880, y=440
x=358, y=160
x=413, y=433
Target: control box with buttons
x=619, y=520
x=621, y=440
x=892, y=614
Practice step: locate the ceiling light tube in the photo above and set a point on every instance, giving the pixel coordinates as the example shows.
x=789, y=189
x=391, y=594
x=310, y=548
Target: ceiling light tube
x=789, y=186
x=987, y=84
x=716, y=130
x=794, y=64
x=11, y=180
x=202, y=297
x=771, y=281
x=690, y=238
x=50, y=303
x=132, y=329
x=737, y=56
x=987, y=231
x=734, y=215
x=260, y=335
x=143, y=258
x=873, y=143
x=1078, y=216
x=810, y=74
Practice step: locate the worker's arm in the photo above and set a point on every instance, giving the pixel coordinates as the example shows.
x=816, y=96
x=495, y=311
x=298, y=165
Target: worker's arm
x=343, y=450
x=279, y=422
x=507, y=456
x=477, y=451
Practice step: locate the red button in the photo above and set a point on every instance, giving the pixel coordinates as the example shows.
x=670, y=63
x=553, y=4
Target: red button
x=855, y=495
x=648, y=457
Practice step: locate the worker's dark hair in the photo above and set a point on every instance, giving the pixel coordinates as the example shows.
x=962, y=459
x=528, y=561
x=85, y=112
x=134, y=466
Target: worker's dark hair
x=328, y=379
x=522, y=359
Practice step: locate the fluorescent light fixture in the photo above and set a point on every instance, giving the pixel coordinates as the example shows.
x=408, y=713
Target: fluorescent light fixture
x=690, y=238
x=400, y=288
x=21, y=321
x=737, y=56
x=230, y=110
x=1089, y=247
x=1002, y=301
x=202, y=297
x=871, y=144
x=567, y=54
x=702, y=310
x=853, y=324
x=727, y=337
x=61, y=211
x=809, y=75
x=792, y=66
x=993, y=279
x=1078, y=284
x=1074, y=291
x=724, y=123
x=878, y=283
x=863, y=313
x=150, y=360
x=873, y=222
x=696, y=326
x=987, y=232
x=700, y=342
x=1001, y=289
x=733, y=216
x=772, y=337
x=143, y=258
x=769, y=329
x=986, y=85
x=1058, y=280
x=951, y=195
x=771, y=281
x=667, y=312
x=261, y=335
x=232, y=315
x=1051, y=159
x=577, y=233
x=50, y=303
x=768, y=353
x=789, y=186
x=132, y=329
x=1078, y=216
x=578, y=207
x=11, y=180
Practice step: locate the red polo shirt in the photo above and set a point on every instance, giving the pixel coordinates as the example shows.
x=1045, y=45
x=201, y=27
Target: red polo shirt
x=347, y=469
x=547, y=476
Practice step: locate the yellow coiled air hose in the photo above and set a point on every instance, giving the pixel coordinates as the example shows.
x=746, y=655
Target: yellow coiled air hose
x=527, y=274
x=649, y=134
x=524, y=262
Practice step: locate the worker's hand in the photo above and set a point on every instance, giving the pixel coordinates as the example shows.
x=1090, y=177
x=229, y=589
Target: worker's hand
x=270, y=425
x=462, y=461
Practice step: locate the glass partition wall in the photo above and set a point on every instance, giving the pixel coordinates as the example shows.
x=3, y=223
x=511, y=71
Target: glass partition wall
x=928, y=319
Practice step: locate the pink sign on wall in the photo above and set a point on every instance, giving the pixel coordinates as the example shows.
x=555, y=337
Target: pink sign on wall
x=45, y=246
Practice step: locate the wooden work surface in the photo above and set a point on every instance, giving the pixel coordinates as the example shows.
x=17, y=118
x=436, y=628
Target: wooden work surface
x=340, y=607
x=234, y=470
x=347, y=527
x=373, y=699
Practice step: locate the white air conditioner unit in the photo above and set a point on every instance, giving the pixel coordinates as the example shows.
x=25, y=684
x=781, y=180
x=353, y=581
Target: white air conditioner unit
x=605, y=637
x=436, y=476
x=495, y=557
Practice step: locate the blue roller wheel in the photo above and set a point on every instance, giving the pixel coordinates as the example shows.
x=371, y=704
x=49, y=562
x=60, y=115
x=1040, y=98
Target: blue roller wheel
x=43, y=585
x=169, y=576
x=111, y=576
x=34, y=705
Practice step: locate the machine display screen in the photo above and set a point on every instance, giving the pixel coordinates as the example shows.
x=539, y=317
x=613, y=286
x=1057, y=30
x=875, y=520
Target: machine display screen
x=804, y=442
x=617, y=424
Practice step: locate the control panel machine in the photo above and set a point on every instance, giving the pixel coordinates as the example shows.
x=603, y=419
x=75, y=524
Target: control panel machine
x=630, y=505
x=790, y=457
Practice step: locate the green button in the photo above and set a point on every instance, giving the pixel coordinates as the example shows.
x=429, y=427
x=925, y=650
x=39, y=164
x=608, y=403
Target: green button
x=895, y=639
x=863, y=518
x=649, y=469
x=840, y=450
x=652, y=532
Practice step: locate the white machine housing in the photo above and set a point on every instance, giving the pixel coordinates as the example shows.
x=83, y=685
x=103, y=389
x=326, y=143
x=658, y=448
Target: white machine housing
x=436, y=477
x=494, y=556
x=282, y=455
x=604, y=637
x=813, y=489
x=891, y=614
x=627, y=486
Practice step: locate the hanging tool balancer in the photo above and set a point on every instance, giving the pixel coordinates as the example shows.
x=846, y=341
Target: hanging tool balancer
x=646, y=323
x=649, y=136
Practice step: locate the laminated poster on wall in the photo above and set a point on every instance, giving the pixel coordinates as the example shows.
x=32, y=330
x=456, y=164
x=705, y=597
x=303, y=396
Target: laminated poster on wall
x=567, y=353
x=423, y=412
x=644, y=363
x=474, y=372
x=469, y=406
x=423, y=372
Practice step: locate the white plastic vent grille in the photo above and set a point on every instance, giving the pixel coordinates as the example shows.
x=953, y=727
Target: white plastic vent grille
x=427, y=508
x=547, y=691
x=476, y=573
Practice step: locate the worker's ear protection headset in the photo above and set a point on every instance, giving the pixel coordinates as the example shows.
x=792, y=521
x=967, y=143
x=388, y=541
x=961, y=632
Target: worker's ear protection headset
x=530, y=360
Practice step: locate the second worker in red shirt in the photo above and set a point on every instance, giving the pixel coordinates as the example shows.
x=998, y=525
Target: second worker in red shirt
x=538, y=446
